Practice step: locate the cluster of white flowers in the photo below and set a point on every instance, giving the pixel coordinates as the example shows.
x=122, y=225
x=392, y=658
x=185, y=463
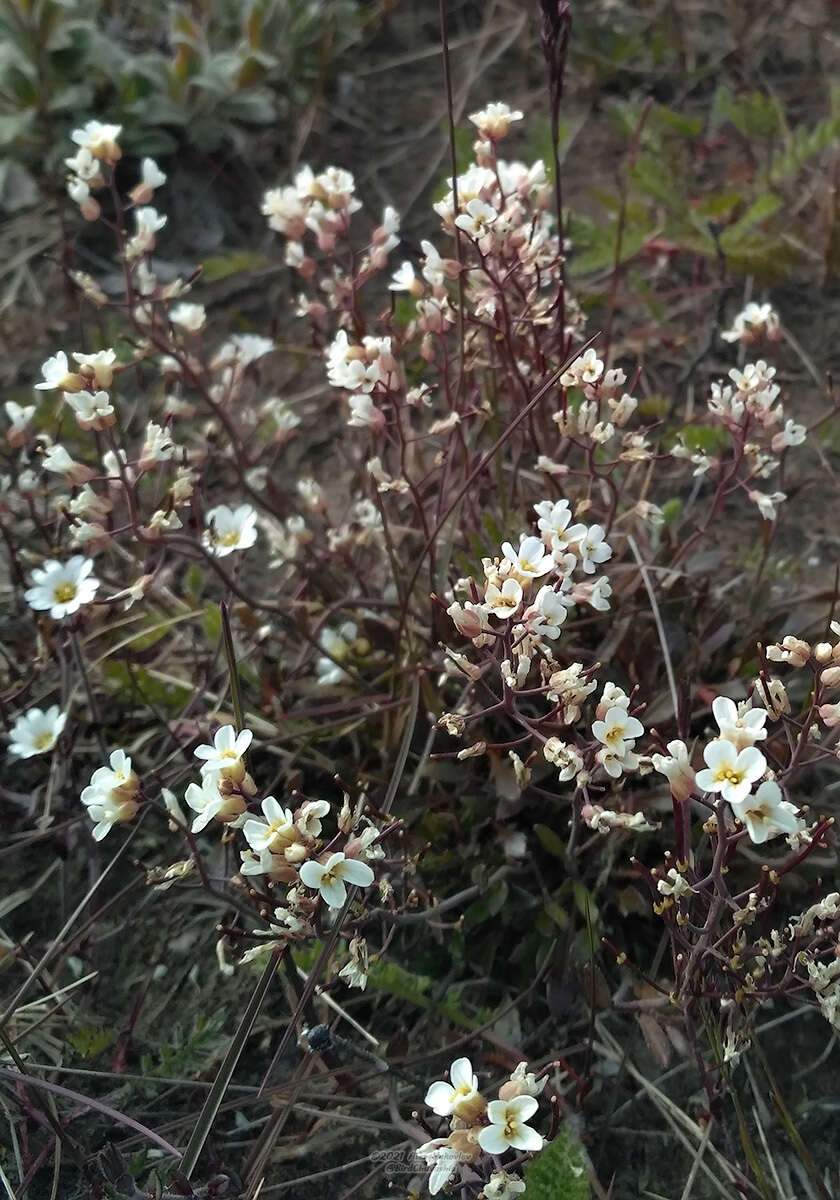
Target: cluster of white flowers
x=733, y=765
x=748, y=406
x=753, y=322
x=283, y=844
x=111, y=795
x=529, y=591
x=481, y=1132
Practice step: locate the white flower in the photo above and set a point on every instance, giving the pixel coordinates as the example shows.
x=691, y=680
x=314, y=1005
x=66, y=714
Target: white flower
x=329, y=877
x=522, y=1082
x=36, y=731
x=766, y=814
x=442, y=1158
x=363, y=413
x=157, y=447
x=57, y=375
x=405, y=280
x=57, y=460
x=767, y=505
x=593, y=549
x=459, y=1097
x=98, y=366
x=85, y=166
x=476, y=218
x=93, y=410
x=87, y=503
x=225, y=755
x=191, y=317
x=228, y=529
x=308, y=817
x=99, y=140
x=148, y=221
x=208, y=802
x=563, y=756
x=755, y=377
x=338, y=645
x=494, y=121
x=355, y=970
x=286, y=211
x=676, y=767
x=530, y=561
x=61, y=588
x=554, y=518
x=151, y=174
x=508, y=1128
x=741, y=728
x=587, y=368
x=116, y=777
x=791, y=435
x=19, y=418
x=503, y=601
x=753, y=321
x=596, y=594
x=674, y=884
x=347, y=366
x=502, y=1186
x=550, y=611
x=243, y=349
x=730, y=771
x=275, y=833
x=618, y=728
x=110, y=797
x=105, y=811
x=434, y=267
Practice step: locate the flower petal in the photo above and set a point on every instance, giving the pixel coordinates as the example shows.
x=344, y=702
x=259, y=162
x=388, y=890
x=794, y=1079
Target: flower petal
x=439, y=1098
x=492, y=1140
x=461, y=1073
x=356, y=872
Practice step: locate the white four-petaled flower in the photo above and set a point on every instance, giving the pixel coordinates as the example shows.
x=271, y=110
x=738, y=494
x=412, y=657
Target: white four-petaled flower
x=225, y=755
x=329, y=877
x=508, y=1128
x=766, y=814
x=530, y=561
x=228, y=529
x=741, y=728
x=730, y=771
x=36, y=731
x=458, y=1097
x=61, y=588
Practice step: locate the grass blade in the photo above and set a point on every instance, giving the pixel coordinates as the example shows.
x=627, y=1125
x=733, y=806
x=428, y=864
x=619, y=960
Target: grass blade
x=220, y=1085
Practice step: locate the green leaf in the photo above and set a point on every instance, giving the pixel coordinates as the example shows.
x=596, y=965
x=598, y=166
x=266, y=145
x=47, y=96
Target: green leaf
x=707, y=439
x=671, y=510
x=397, y=981
x=235, y=262
x=552, y=841
x=90, y=1040
x=758, y=211
x=559, y=1172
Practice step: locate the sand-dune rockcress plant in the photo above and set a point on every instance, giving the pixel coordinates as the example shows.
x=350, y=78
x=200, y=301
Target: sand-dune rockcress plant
x=466, y=390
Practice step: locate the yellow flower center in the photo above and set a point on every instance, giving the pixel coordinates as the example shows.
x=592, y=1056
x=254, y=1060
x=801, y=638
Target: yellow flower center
x=230, y=538
x=44, y=741
x=729, y=775
x=63, y=592
x=615, y=734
